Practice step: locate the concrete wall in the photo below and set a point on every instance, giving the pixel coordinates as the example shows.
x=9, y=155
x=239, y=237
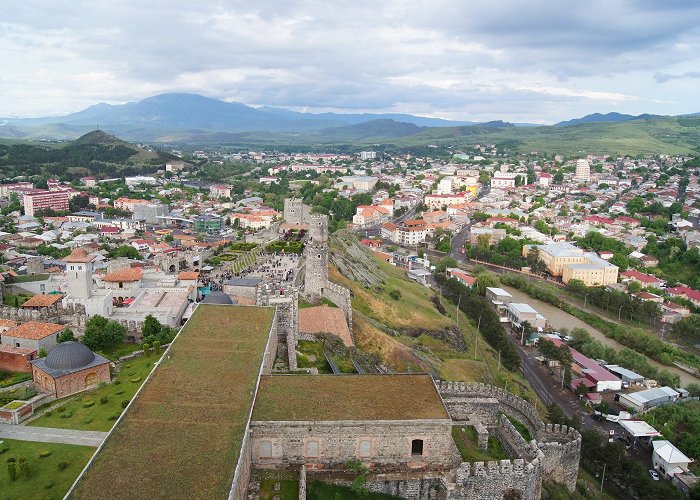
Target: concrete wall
x=16, y=362
x=290, y=444
x=47, y=343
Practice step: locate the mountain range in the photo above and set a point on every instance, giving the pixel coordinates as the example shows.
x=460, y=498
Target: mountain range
x=195, y=119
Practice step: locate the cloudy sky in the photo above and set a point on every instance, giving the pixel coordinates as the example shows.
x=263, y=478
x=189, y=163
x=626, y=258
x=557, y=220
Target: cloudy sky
x=535, y=61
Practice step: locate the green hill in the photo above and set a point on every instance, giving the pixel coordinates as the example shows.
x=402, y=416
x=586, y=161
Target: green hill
x=96, y=152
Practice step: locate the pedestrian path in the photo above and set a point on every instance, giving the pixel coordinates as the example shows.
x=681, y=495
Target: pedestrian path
x=52, y=435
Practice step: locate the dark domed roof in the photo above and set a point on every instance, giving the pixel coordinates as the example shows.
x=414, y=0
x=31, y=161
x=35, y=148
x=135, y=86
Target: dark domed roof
x=69, y=356
x=217, y=298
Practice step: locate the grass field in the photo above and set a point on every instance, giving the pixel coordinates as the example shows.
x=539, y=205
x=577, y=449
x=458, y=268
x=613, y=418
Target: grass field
x=412, y=310
x=467, y=444
x=324, y=491
x=15, y=300
x=347, y=397
x=86, y=410
x=181, y=437
x=47, y=481
x=115, y=352
x=26, y=278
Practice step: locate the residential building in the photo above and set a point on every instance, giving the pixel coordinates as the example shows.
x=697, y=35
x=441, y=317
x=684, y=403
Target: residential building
x=33, y=335
x=583, y=171
x=208, y=223
x=368, y=155
x=218, y=191
x=520, y=313
x=503, y=180
x=668, y=459
x=39, y=199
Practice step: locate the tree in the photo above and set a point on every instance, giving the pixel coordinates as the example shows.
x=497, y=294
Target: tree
x=151, y=327
x=125, y=251
x=486, y=280
x=548, y=350
x=42, y=353
x=101, y=333
x=66, y=335
x=634, y=287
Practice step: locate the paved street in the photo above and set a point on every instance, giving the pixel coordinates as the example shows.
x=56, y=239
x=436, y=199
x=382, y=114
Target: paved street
x=51, y=435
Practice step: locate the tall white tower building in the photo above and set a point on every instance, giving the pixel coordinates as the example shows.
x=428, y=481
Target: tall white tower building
x=79, y=274
x=583, y=171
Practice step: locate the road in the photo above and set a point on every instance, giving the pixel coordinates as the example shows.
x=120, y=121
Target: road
x=51, y=435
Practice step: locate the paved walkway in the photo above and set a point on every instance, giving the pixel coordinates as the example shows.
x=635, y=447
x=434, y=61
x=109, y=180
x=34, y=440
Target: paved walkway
x=51, y=435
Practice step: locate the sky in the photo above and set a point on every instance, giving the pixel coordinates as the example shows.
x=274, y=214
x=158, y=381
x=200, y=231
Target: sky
x=536, y=61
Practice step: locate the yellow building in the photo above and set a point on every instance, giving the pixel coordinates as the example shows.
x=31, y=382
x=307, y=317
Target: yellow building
x=571, y=262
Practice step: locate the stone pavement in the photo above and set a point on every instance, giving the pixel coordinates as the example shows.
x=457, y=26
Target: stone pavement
x=51, y=435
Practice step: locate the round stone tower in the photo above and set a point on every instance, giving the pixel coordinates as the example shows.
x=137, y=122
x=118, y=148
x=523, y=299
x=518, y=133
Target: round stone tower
x=316, y=256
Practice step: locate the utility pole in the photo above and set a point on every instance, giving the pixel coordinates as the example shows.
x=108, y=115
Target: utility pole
x=602, y=478
x=499, y=360
x=459, y=301
x=619, y=313
x=585, y=301
x=476, y=339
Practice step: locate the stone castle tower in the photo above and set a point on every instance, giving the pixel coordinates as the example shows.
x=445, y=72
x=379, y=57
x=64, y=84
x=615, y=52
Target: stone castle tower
x=317, y=256
x=295, y=212
x=79, y=274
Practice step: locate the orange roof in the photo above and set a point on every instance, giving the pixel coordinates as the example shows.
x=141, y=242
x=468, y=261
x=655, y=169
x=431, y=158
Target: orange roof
x=7, y=322
x=34, y=330
x=188, y=275
x=43, y=300
x=78, y=255
x=21, y=351
x=126, y=274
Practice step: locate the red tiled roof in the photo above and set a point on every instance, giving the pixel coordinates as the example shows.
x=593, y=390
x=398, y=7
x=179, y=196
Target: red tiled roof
x=34, y=330
x=43, y=300
x=78, y=255
x=123, y=275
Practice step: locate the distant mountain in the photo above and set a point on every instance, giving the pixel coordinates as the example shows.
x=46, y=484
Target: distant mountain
x=608, y=117
x=380, y=129
x=166, y=114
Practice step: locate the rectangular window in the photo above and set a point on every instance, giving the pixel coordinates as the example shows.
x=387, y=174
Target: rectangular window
x=417, y=447
x=312, y=449
x=365, y=448
x=265, y=449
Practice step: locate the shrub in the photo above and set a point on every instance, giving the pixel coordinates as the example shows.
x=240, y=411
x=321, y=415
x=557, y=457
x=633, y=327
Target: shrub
x=113, y=417
x=128, y=365
x=67, y=414
x=49, y=485
x=62, y=465
x=156, y=347
x=48, y=413
x=395, y=294
x=87, y=420
x=119, y=392
x=24, y=468
x=125, y=402
x=88, y=404
x=61, y=409
x=44, y=453
x=117, y=382
x=104, y=400
x=11, y=459
x=136, y=379
x=12, y=470
x=146, y=349
x=3, y=450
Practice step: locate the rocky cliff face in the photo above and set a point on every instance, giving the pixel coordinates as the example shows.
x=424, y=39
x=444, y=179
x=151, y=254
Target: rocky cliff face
x=355, y=261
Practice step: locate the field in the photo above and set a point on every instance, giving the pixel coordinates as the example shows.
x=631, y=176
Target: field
x=47, y=481
x=413, y=310
x=324, y=491
x=181, y=437
x=466, y=441
x=333, y=397
x=15, y=300
x=86, y=409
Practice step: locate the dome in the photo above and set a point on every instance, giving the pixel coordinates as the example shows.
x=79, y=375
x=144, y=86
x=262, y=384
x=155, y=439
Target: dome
x=217, y=298
x=69, y=356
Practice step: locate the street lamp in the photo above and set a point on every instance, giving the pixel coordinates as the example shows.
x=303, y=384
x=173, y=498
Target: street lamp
x=585, y=301
x=619, y=313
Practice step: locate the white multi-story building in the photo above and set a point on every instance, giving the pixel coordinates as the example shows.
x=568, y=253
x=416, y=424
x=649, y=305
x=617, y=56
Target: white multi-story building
x=368, y=155
x=445, y=186
x=583, y=171
x=502, y=180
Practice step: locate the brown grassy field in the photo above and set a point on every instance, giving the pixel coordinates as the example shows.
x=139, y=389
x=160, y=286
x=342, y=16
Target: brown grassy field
x=347, y=397
x=181, y=437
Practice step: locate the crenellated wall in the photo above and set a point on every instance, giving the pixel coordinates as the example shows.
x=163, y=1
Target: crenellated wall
x=497, y=480
x=561, y=448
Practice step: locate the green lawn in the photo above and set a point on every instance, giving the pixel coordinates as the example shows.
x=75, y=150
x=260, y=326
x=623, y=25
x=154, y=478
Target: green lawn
x=46, y=480
x=467, y=444
x=312, y=356
x=86, y=409
x=29, y=277
x=122, y=349
x=325, y=491
x=21, y=393
x=11, y=378
x=15, y=300
x=289, y=490
x=520, y=427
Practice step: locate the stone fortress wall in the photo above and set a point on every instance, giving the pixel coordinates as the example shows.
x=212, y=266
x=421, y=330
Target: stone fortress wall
x=71, y=315
x=558, y=447
x=287, y=320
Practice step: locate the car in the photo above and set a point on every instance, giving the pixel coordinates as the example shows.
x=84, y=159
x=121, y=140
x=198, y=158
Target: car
x=654, y=475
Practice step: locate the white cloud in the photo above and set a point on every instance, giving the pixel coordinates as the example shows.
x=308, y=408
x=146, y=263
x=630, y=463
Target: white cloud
x=523, y=61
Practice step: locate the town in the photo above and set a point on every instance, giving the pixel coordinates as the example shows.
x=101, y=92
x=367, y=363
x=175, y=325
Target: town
x=578, y=276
